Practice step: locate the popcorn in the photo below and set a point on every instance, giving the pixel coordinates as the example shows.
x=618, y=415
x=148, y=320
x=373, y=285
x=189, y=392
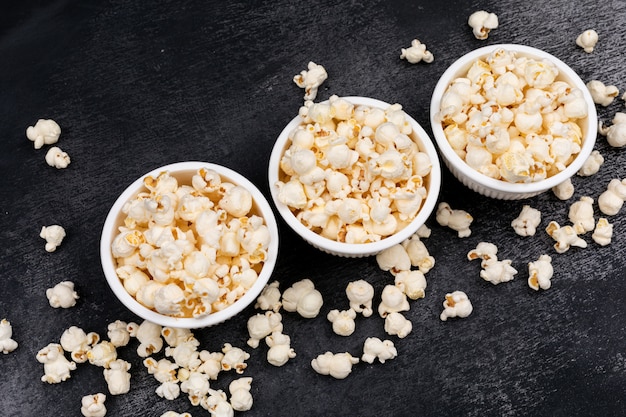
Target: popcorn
x=393, y=300
x=411, y=283
x=592, y=164
x=102, y=354
x=458, y=220
x=394, y=259
x=149, y=336
x=53, y=235
x=118, y=334
x=163, y=370
x=343, y=321
x=169, y=390
x=217, y=404
x=565, y=190
x=616, y=133
x=234, y=358
x=75, y=341
x=416, y=52
x=262, y=325
x=612, y=199
x=360, y=294
x=175, y=414
x=240, y=397
x=45, y=132
x=311, y=79
x=587, y=40
x=456, y=304
x=302, y=297
x=527, y=221
x=602, y=94
x=56, y=367
x=418, y=253
x=270, y=298
x=565, y=237
x=603, y=232
x=337, y=365
x=62, y=295
x=280, y=350
x=482, y=23
x=581, y=215
x=374, y=348
x=196, y=387
x=397, y=325
x=7, y=344
x=55, y=157
x=93, y=405
x=497, y=272
x=485, y=251
x=185, y=354
x=117, y=377
x=540, y=273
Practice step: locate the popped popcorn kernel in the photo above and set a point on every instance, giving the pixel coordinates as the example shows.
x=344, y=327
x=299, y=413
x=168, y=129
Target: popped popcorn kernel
x=456, y=304
x=311, y=79
x=7, y=344
x=375, y=348
x=602, y=94
x=616, y=133
x=56, y=158
x=482, y=23
x=44, y=132
x=455, y=219
x=62, y=295
x=540, y=273
x=53, y=235
x=93, y=405
x=587, y=40
x=527, y=221
x=337, y=365
x=416, y=52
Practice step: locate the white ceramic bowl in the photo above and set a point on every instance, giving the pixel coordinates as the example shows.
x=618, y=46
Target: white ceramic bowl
x=355, y=250
x=183, y=171
x=501, y=189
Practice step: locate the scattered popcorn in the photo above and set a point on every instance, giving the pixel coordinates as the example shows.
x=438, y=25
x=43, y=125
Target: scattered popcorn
x=311, y=79
x=269, y=299
x=360, y=294
x=302, y=297
x=602, y=94
x=56, y=367
x=485, y=251
x=343, y=321
x=587, y=40
x=62, y=295
x=497, y=272
x=280, y=350
x=418, y=253
x=540, y=273
x=397, y=325
x=482, y=23
x=175, y=414
x=45, y=132
x=102, y=354
x=7, y=344
x=581, y=215
x=394, y=259
x=527, y=221
x=234, y=358
x=565, y=190
x=616, y=133
x=262, y=325
x=149, y=336
x=612, y=199
x=353, y=174
x=565, y=237
x=118, y=334
x=117, y=377
x=54, y=236
x=456, y=304
x=93, y=405
x=416, y=52
x=240, y=397
x=412, y=283
x=217, y=404
x=603, y=233
x=393, y=300
x=75, y=341
x=55, y=157
x=374, y=348
x=457, y=220
x=196, y=386
x=337, y=365
x=592, y=164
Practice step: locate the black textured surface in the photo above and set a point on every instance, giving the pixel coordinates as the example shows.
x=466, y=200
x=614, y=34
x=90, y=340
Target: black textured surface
x=136, y=85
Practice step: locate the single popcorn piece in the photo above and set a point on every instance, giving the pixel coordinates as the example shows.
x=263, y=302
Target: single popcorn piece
x=185, y=354
x=374, y=348
x=53, y=235
x=393, y=300
x=303, y=298
x=412, y=283
x=457, y=220
x=394, y=259
x=337, y=365
x=62, y=295
x=196, y=386
x=342, y=321
x=93, y=405
x=102, y=354
x=280, y=350
x=56, y=158
x=485, y=251
x=527, y=221
x=7, y=344
x=240, y=396
x=56, y=367
x=397, y=325
x=117, y=377
x=217, y=404
x=540, y=273
x=149, y=336
x=170, y=390
x=497, y=272
x=211, y=363
x=270, y=298
x=360, y=294
x=612, y=199
x=581, y=215
x=234, y=358
x=564, y=236
x=456, y=304
x=45, y=132
x=482, y=23
x=311, y=79
x=416, y=52
x=262, y=325
x=587, y=40
x=565, y=190
x=603, y=232
x=602, y=94
x=592, y=164
x=616, y=133
x=418, y=253
x=118, y=334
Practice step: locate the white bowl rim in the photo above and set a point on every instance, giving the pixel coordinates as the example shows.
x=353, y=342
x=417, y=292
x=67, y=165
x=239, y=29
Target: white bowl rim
x=500, y=185
x=109, y=231
x=357, y=249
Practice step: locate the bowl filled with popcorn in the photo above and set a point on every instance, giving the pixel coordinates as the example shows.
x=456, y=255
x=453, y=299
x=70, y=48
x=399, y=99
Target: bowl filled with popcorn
x=353, y=176
x=189, y=245
x=512, y=121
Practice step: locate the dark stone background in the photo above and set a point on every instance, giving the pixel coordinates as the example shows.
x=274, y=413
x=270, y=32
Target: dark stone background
x=135, y=85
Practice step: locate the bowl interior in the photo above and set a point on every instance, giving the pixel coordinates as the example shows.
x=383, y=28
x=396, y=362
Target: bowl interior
x=183, y=172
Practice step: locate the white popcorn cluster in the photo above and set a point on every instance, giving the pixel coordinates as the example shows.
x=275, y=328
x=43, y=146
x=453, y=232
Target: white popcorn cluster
x=587, y=40
x=616, y=133
x=189, y=250
x=456, y=219
x=44, y=132
x=353, y=173
x=53, y=235
x=310, y=79
x=482, y=23
x=416, y=53
x=7, y=344
x=493, y=270
x=602, y=94
x=511, y=118
x=62, y=295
